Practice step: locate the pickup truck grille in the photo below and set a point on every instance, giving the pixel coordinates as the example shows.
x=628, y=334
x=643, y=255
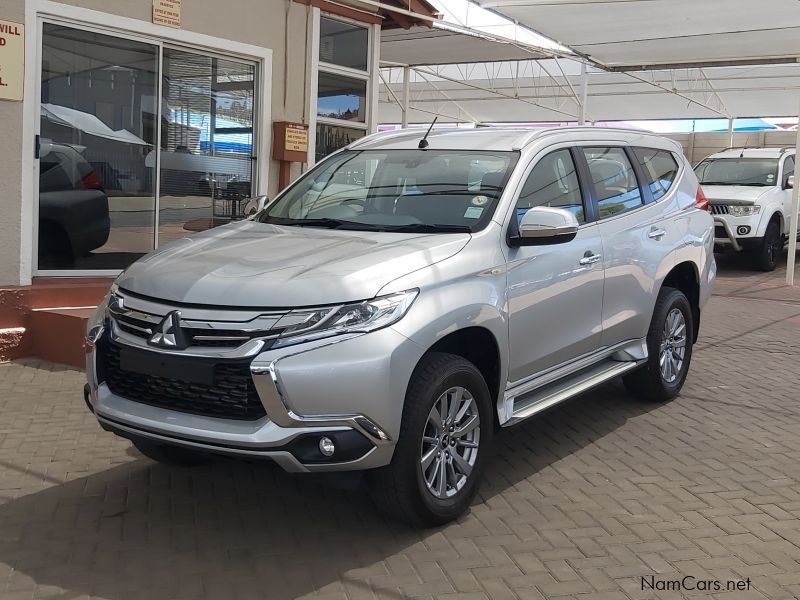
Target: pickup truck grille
x=200, y=386
x=720, y=209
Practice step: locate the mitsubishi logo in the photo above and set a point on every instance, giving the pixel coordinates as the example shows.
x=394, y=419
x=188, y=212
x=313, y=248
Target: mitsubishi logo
x=168, y=334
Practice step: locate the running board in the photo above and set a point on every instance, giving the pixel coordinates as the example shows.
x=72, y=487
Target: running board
x=549, y=395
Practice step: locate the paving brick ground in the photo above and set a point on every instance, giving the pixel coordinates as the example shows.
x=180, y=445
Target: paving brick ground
x=580, y=503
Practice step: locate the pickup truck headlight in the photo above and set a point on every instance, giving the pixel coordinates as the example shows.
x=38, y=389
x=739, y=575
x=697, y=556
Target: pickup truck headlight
x=744, y=211
x=359, y=317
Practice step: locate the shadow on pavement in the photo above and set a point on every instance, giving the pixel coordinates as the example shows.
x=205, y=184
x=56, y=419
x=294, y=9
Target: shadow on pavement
x=236, y=529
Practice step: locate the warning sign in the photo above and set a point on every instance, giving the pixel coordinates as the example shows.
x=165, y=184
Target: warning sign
x=296, y=139
x=167, y=12
x=12, y=60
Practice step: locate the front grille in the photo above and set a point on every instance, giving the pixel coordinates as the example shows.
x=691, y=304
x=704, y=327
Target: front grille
x=719, y=232
x=720, y=209
x=205, y=337
x=230, y=394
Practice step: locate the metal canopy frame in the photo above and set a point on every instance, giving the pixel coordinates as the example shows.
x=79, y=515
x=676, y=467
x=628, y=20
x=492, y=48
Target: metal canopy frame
x=569, y=97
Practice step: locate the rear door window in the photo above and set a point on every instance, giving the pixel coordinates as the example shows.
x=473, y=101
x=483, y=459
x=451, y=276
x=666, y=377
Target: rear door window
x=659, y=168
x=615, y=186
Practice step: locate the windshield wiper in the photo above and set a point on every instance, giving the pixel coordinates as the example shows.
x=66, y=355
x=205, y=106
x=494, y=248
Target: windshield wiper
x=427, y=228
x=328, y=223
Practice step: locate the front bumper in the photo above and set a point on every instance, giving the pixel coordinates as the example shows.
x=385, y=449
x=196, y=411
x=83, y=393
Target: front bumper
x=350, y=389
x=739, y=233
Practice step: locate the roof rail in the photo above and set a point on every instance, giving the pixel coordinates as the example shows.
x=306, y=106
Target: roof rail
x=544, y=131
x=781, y=150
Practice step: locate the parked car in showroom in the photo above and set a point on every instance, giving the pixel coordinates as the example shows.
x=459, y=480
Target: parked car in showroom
x=73, y=206
x=396, y=327
x=749, y=191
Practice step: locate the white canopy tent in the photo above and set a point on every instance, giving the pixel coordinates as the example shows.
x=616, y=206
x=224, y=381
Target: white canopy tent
x=624, y=60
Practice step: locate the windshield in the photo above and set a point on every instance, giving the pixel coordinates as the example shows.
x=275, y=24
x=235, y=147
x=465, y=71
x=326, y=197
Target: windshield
x=397, y=190
x=738, y=171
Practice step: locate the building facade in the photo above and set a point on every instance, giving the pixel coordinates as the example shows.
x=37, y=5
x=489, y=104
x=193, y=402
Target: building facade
x=144, y=120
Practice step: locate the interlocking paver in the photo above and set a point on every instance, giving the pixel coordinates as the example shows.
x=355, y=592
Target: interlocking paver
x=580, y=503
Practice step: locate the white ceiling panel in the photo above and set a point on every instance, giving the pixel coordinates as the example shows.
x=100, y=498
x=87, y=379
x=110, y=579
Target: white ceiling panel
x=437, y=46
x=633, y=33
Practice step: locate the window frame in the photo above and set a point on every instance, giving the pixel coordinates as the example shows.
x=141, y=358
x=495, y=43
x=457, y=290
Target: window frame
x=341, y=71
x=644, y=194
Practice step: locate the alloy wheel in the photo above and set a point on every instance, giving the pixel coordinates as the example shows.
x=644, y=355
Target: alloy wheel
x=450, y=442
x=673, y=346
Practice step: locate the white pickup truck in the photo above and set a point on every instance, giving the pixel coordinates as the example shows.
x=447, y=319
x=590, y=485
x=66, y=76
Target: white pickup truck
x=750, y=195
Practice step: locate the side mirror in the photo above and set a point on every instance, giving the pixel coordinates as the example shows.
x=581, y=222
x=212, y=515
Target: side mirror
x=789, y=182
x=254, y=205
x=543, y=225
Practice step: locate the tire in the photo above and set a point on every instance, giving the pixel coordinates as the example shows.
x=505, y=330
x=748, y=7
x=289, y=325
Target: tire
x=401, y=488
x=170, y=455
x=768, y=253
x=650, y=382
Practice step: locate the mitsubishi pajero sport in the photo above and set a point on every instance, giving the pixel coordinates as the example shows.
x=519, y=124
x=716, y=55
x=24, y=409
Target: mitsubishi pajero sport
x=406, y=299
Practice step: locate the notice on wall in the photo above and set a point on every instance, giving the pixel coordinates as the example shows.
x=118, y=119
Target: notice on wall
x=167, y=12
x=12, y=60
x=296, y=138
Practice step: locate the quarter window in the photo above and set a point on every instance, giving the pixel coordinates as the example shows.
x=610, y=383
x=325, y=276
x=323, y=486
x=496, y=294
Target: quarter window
x=553, y=182
x=614, y=181
x=660, y=170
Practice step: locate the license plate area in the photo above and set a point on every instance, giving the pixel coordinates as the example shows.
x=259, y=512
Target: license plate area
x=190, y=370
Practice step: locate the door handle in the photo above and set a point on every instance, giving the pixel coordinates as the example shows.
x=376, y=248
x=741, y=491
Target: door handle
x=656, y=234
x=590, y=258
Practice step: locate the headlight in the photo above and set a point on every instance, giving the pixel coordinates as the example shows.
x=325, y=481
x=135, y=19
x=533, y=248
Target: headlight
x=744, y=211
x=96, y=323
x=360, y=317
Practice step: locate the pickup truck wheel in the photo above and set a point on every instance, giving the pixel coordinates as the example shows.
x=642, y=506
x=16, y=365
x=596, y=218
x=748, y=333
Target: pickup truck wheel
x=170, y=455
x=444, y=443
x=669, y=345
x=768, y=253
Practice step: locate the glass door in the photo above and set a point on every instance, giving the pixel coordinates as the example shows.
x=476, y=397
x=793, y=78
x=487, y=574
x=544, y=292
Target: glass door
x=97, y=128
x=206, y=163
x=140, y=144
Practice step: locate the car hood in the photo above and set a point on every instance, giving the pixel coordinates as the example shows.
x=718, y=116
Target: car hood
x=252, y=264
x=734, y=194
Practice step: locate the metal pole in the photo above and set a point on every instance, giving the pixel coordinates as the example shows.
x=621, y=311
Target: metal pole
x=406, y=94
x=584, y=95
x=793, y=221
x=730, y=132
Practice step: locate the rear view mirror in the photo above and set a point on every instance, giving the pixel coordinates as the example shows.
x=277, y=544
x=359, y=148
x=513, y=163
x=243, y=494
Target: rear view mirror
x=254, y=205
x=545, y=225
x=790, y=182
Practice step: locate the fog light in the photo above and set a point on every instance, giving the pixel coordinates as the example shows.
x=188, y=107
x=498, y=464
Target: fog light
x=326, y=446
x=743, y=230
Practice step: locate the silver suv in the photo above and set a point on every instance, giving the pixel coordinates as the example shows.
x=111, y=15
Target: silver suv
x=405, y=299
